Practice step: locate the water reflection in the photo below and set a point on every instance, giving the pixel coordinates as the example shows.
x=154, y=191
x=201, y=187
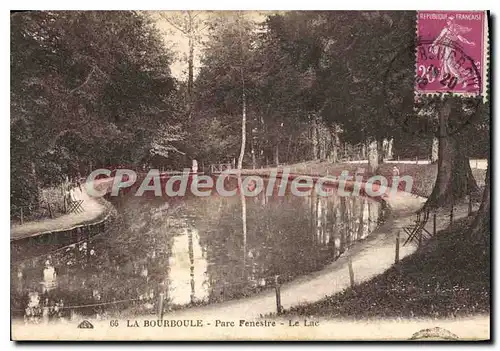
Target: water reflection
x=194, y=250
x=187, y=273
x=49, y=281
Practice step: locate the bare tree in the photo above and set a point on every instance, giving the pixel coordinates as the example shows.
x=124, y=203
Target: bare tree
x=192, y=26
x=243, y=98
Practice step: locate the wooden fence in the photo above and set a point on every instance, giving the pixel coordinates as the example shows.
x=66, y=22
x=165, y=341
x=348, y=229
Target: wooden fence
x=220, y=167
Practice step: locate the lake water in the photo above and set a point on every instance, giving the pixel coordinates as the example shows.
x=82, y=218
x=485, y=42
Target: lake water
x=193, y=250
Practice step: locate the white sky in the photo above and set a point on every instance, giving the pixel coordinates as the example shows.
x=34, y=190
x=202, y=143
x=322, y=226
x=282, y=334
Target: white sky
x=179, y=43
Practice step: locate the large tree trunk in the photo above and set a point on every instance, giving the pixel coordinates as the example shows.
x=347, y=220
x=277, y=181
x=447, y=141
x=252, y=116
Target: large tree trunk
x=243, y=132
x=244, y=224
x=480, y=228
x=380, y=151
x=191, y=262
x=314, y=138
x=388, y=148
x=254, y=162
x=363, y=151
x=385, y=148
x=277, y=154
x=244, y=109
x=323, y=138
x=37, y=181
x=344, y=220
x=252, y=145
x=336, y=144
x=454, y=180
x=288, y=158
x=435, y=150
x=373, y=156
x=190, y=74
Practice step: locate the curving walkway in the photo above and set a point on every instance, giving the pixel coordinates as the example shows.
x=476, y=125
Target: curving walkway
x=93, y=209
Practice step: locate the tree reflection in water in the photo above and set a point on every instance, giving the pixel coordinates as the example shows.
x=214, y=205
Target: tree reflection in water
x=195, y=250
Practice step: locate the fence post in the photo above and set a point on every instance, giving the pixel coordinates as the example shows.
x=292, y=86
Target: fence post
x=22, y=215
x=451, y=214
x=351, y=272
x=278, y=294
x=64, y=197
x=470, y=205
x=50, y=210
x=161, y=297
x=416, y=160
x=434, y=224
x=396, y=259
x=279, y=308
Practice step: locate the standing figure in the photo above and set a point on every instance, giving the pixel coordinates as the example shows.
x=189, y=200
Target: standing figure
x=444, y=45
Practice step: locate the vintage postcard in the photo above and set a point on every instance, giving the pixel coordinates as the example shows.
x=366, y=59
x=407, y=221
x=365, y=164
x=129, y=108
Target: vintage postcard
x=250, y=175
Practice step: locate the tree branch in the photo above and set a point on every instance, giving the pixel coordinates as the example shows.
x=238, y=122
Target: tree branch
x=176, y=26
x=84, y=83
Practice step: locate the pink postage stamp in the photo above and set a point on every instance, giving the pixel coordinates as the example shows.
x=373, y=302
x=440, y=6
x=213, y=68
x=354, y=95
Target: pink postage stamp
x=452, y=52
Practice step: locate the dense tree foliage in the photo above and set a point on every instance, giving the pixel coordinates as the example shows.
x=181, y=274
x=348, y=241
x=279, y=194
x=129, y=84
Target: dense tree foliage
x=87, y=89
x=313, y=80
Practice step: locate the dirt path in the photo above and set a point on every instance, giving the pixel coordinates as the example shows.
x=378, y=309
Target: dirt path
x=92, y=210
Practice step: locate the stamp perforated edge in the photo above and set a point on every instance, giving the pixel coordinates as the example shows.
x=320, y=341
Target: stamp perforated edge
x=485, y=41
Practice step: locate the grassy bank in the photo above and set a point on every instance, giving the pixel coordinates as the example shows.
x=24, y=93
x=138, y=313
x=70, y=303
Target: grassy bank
x=448, y=276
x=424, y=175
